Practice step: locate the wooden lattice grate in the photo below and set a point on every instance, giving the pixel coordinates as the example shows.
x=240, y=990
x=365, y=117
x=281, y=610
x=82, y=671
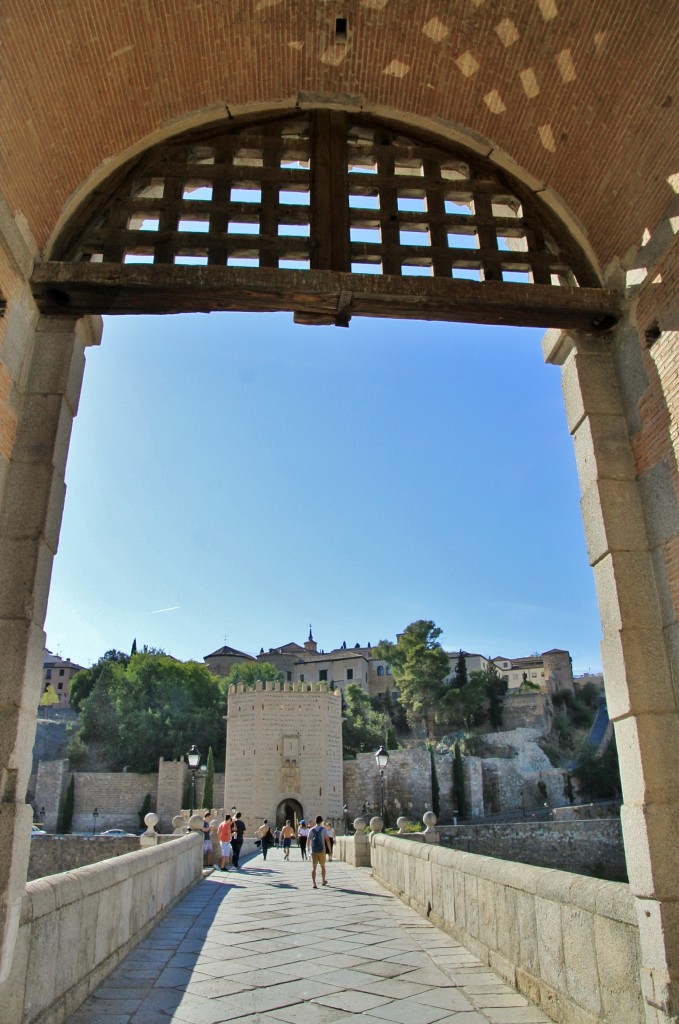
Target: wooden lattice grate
x=325, y=190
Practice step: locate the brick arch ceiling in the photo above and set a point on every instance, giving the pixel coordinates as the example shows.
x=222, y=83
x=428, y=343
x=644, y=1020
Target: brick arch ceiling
x=579, y=94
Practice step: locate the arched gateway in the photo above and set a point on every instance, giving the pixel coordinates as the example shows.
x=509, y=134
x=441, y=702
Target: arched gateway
x=500, y=163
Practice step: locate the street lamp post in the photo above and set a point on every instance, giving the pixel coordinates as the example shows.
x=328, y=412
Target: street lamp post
x=345, y=812
x=193, y=757
x=382, y=760
x=95, y=815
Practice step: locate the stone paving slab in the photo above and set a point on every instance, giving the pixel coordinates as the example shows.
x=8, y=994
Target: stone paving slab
x=260, y=946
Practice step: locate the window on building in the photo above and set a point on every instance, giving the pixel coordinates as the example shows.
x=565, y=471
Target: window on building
x=48, y=673
x=380, y=670
x=533, y=675
x=60, y=685
x=301, y=678
x=289, y=677
x=350, y=673
x=323, y=675
x=388, y=670
x=61, y=671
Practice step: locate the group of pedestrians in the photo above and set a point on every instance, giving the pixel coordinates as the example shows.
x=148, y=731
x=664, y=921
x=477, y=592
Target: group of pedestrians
x=230, y=834
x=315, y=842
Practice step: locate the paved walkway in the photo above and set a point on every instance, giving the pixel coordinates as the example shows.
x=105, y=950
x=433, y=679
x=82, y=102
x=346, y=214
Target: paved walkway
x=261, y=945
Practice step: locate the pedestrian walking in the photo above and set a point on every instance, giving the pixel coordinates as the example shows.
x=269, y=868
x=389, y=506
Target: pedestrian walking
x=207, y=840
x=331, y=836
x=302, y=836
x=266, y=837
x=224, y=836
x=238, y=830
x=276, y=838
x=319, y=846
x=287, y=834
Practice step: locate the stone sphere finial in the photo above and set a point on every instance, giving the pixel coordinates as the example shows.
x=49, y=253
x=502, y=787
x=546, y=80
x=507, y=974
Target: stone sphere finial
x=150, y=820
x=179, y=824
x=429, y=819
x=195, y=822
x=401, y=822
x=376, y=824
x=359, y=824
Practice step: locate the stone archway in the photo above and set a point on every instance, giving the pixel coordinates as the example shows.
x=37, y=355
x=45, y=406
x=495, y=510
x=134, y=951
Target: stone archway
x=289, y=809
x=614, y=385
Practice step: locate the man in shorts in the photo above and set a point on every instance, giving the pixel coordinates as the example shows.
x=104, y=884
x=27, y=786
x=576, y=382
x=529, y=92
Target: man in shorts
x=318, y=845
x=224, y=836
x=287, y=834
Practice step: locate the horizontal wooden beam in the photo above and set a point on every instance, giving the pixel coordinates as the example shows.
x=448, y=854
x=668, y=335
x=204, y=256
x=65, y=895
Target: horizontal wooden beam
x=317, y=296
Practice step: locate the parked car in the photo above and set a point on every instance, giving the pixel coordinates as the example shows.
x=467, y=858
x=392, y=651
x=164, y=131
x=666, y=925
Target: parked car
x=37, y=831
x=116, y=832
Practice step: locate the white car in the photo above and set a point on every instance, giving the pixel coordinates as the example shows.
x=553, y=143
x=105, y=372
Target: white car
x=35, y=831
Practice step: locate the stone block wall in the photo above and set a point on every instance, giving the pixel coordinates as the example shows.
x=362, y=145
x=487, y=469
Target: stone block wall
x=76, y=927
x=569, y=943
x=592, y=847
x=118, y=798
x=51, y=855
x=407, y=784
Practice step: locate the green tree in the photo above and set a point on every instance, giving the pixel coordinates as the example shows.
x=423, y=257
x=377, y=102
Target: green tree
x=458, y=783
x=419, y=665
x=251, y=672
x=154, y=706
x=460, y=677
x=83, y=682
x=50, y=697
x=69, y=803
x=495, y=688
x=598, y=775
x=144, y=809
x=435, y=789
x=208, y=795
x=362, y=726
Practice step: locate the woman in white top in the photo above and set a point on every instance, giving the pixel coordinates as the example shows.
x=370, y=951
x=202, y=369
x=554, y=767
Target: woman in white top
x=331, y=836
x=302, y=833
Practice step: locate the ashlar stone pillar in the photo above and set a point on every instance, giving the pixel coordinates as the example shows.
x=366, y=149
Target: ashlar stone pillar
x=641, y=696
x=45, y=358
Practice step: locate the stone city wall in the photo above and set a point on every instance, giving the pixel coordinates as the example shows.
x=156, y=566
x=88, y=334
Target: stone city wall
x=569, y=943
x=591, y=847
x=51, y=855
x=117, y=796
x=407, y=784
x=76, y=927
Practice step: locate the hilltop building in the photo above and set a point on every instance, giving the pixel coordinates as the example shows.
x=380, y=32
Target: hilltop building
x=58, y=672
x=551, y=671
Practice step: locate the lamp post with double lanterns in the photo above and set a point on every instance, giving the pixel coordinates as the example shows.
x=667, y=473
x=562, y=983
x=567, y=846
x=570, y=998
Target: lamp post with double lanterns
x=193, y=757
x=382, y=760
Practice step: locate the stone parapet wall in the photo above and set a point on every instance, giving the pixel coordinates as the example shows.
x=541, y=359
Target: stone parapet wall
x=117, y=796
x=589, y=847
x=76, y=927
x=569, y=943
x=50, y=855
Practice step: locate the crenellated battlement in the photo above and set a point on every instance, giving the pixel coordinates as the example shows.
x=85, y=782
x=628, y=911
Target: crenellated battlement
x=274, y=686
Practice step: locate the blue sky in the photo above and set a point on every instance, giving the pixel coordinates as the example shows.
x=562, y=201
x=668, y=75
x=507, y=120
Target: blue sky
x=240, y=477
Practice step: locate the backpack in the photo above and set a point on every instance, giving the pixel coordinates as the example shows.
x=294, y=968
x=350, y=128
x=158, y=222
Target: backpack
x=317, y=839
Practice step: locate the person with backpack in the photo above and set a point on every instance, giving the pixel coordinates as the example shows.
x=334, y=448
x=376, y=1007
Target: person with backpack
x=319, y=845
x=265, y=837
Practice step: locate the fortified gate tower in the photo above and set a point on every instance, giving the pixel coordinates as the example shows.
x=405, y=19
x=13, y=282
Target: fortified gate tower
x=284, y=752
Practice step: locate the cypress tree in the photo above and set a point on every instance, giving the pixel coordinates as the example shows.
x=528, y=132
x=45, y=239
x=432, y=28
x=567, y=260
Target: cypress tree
x=435, y=791
x=208, y=795
x=69, y=803
x=458, y=783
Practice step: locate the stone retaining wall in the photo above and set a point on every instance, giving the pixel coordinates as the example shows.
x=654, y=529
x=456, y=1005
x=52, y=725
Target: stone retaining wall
x=589, y=847
x=569, y=943
x=50, y=855
x=76, y=927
